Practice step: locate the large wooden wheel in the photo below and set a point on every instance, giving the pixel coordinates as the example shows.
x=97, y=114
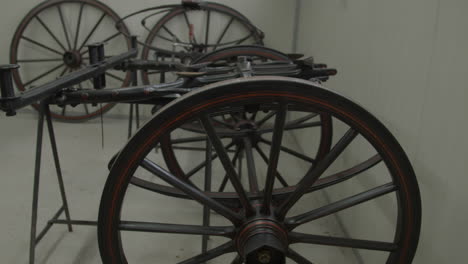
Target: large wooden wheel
x=257, y=221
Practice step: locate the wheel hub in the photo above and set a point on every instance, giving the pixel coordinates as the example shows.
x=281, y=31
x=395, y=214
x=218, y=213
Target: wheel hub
x=72, y=59
x=262, y=240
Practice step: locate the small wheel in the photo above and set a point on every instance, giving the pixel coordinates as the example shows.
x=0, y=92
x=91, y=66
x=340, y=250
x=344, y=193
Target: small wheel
x=195, y=32
x=257, y=223
x=52, y=40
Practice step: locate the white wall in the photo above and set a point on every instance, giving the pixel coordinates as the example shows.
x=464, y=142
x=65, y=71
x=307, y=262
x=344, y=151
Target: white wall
x=274, y=17
x=406, y=62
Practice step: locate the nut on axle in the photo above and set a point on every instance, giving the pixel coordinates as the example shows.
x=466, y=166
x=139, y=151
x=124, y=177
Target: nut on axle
x=263, y=241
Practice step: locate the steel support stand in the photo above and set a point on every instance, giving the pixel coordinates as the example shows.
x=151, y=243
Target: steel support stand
x=44, y=112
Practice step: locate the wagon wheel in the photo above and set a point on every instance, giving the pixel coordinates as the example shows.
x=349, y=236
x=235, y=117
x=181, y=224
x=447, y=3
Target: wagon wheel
x=258, y=223
x=195, y=31
x=178, y=143
x=51, y=41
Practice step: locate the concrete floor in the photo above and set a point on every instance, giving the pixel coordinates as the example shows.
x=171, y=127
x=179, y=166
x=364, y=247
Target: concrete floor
x=84, y=164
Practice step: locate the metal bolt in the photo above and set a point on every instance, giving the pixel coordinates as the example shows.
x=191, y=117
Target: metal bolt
x=264, y=256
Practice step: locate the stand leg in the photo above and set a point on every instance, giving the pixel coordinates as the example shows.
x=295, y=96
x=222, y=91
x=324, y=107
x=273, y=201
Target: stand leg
x=137, y=115
x=137, y=118
x=44, y=111
x=135, y=83
x=241, y=156
x=130, y=121
x=58, y=169
x=162, y=76
x=206, y=210
x=134, y=76
x=37, y=173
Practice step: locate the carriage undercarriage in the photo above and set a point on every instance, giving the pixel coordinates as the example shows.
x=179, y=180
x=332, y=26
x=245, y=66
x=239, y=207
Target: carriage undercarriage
x=234, y=110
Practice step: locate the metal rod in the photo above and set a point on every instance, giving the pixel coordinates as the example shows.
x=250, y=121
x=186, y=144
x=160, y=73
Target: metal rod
x=42, y=45
x=227, y=247
x=44, y=74
x=226, y=178
x=137, y=115
x=58, y=169
x=227, y=164
x=162, y=77
x=239, y=165
x=297, y=18
x=111, y=37
x=134, y=74
x=49, y=225
x=206, y=209
x=223, y=33
x=173, y=35
x=290, y=151
x=340, y=205
x=140, y=94
x=51, y=88
x=252, y=174
x=315, y=172
x=77, y=34
x=280, y=121
x=264, y=157
x=201, y=165
x=134, y=226
x=74, y=222
x=207, y=33
x=92, y=31
x=37, y=173
x=115, y=77
x=192, y=37
x=298, y=258
x=64, y=27
x=130, y=121
x=192, y=191
x=50, y=32
x=342, y=242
